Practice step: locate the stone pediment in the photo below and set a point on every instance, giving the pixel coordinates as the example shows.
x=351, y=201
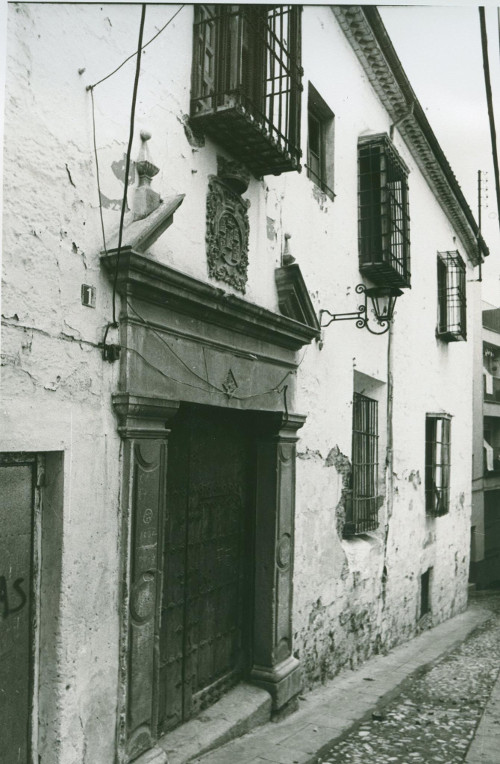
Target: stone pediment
x=293, y=298
x=140, y=235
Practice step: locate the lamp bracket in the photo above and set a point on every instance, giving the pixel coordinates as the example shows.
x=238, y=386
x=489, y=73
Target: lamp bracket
x=360, y=316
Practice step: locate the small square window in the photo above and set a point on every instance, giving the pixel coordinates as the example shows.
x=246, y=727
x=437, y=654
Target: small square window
x=320, y=142
x=452, y=305
x=362, y=512
x=437, y=464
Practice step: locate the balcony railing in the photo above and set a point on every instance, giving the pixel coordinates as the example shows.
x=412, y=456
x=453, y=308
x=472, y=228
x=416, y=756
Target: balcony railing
x=246, y=85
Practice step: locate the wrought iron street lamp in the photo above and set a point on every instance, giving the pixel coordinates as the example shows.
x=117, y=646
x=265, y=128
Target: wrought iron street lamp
x=383, y=300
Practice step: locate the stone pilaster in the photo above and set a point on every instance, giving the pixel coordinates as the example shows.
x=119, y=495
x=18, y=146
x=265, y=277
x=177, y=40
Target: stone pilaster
x=274, y=667
x=143, y=427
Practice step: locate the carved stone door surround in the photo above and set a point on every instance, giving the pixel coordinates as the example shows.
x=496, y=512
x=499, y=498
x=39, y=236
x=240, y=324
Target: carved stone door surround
x=186, y=341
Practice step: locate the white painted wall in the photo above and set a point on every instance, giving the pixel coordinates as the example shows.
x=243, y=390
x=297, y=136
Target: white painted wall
x=56, y=389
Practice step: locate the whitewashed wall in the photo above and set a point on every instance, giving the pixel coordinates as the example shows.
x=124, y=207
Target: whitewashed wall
x=352, y=597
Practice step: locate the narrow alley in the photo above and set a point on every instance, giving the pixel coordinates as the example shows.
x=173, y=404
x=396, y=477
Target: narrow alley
x=435, y=717
x=433, y=699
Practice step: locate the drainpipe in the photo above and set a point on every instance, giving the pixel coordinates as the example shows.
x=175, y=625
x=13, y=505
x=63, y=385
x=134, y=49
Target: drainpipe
x=390, y=454
x=389, y=462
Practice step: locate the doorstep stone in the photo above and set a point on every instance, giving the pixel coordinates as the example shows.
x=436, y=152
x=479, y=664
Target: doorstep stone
x=237, y=712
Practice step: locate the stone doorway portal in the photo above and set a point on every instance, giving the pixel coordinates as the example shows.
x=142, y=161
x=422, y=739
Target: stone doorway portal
x=192, y=348
x=206, y=602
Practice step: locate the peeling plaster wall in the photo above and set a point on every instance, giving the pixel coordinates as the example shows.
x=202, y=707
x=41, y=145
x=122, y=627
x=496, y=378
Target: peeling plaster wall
x=359, y=596
x=352, y=597
x=55, y=388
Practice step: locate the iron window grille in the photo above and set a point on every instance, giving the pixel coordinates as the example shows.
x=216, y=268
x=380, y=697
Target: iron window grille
x=320, y=142
x=384, y=220
x=452, y=304
x=437, y=464
x=246, y=82
x=362, y=510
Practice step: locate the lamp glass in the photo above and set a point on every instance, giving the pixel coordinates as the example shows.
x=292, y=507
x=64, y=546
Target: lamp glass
x=383, y=301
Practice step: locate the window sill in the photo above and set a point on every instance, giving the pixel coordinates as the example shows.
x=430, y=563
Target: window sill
x=361, y=544
x=451, y=336
x=320, y=185
x=433, y=515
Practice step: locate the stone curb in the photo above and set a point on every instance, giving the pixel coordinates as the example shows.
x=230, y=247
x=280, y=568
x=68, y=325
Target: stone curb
x=485, y=745
x=397, y=689
x=331, y=712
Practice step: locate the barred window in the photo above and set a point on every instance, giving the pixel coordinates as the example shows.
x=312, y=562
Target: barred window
x=246, y=82
x=437, y=464
x=452, y=306
x=320, y=142
x=362, y=512
x=384, y=220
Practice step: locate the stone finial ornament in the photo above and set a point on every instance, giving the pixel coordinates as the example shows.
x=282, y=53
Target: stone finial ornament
x=146, y=200
x=288, y=258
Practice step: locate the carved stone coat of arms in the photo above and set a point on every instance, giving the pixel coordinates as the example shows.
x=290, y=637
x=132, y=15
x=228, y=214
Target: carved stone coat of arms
x=227, y=234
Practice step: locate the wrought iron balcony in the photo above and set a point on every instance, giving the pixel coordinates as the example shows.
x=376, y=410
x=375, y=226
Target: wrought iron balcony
x=384, y=220
x=246, y=83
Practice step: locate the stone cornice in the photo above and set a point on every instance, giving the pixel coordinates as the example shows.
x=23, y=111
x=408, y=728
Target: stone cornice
x=149, y=280
x=368, y=37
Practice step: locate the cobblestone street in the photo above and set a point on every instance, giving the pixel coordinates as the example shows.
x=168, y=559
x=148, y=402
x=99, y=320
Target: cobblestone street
x=436, y=715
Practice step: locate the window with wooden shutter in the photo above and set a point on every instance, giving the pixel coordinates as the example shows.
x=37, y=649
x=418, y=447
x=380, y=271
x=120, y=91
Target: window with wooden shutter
x=452, y=305
x=320, y=136
x=246, y=83
x=437, y=464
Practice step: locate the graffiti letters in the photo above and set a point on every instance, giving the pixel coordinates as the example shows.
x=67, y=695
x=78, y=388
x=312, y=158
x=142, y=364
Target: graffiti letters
x=17, y=599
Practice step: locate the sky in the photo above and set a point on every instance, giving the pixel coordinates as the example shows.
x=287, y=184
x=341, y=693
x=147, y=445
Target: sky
x=440, y=49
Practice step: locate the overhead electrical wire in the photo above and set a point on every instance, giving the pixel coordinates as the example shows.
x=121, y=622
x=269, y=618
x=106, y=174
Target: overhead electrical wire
x=280, y=387
x=97, y=171
x=90, y=87
x=129, y=151
x=489, y=99
x=137, y=53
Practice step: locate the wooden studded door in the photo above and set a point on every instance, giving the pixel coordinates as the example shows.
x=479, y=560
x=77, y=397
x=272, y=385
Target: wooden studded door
x=208, y=542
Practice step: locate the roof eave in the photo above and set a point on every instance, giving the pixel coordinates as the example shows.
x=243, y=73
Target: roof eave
x=372, y=45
